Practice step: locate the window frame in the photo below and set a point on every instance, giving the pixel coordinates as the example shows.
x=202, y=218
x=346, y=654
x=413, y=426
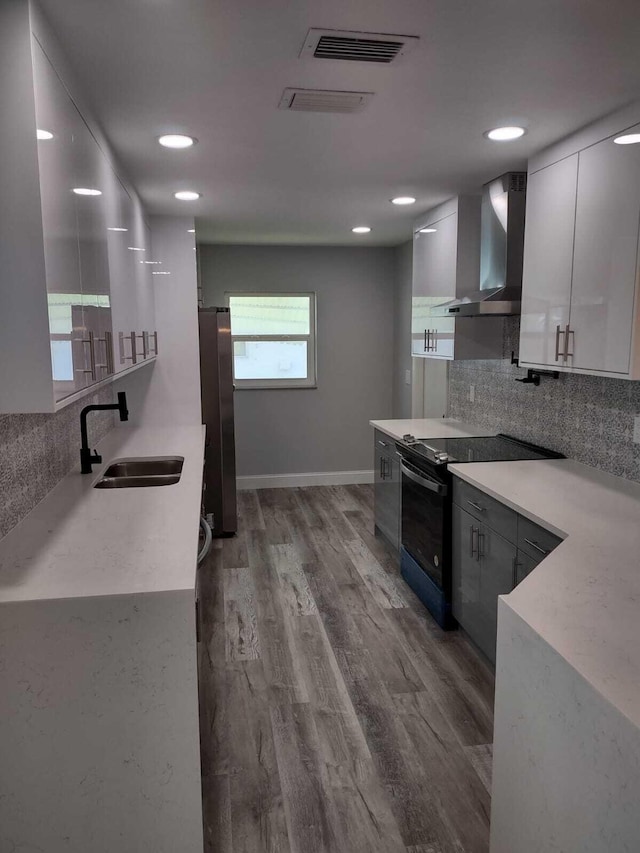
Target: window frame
x=311, y=380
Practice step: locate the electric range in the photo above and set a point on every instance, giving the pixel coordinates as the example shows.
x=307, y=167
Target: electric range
x=427, y=507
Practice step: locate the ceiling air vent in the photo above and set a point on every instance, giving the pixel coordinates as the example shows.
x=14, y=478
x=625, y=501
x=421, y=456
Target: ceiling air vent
x=356, y=47
x=324, y=101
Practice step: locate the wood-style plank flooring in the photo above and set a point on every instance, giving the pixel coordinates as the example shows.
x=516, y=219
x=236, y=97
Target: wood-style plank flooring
x=335, y=714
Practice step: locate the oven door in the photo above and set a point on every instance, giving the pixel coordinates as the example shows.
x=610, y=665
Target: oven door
x=424, y=510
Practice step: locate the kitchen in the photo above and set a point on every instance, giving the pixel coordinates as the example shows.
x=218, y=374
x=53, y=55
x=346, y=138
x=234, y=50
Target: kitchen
x=390, y=310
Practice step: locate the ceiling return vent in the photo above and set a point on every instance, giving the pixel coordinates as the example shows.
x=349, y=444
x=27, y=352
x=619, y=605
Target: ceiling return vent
x=356, y=47
x=324, y=101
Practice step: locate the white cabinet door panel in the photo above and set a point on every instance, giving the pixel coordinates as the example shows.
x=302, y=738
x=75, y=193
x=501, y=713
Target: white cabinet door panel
x=605, y=256
x=548, y=253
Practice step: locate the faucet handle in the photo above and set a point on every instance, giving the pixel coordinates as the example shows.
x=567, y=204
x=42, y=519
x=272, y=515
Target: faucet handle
x=95, y=456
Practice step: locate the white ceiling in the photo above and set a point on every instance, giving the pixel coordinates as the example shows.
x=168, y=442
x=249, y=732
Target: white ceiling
x=216, y=69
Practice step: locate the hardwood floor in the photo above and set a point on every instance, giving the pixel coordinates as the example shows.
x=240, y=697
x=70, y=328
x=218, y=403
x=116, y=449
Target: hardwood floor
x=335, y=714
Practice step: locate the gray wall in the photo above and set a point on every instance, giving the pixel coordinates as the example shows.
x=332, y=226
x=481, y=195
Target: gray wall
x=37, y=451
x=588, y=418
x=281, y=431
x=402, y=330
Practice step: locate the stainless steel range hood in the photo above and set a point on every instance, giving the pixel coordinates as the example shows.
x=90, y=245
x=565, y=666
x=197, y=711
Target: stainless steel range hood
x=501, y=249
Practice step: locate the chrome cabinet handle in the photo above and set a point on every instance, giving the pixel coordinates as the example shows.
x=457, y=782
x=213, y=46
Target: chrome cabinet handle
x=382, y=443
x=481, y=540
x=154, y=335
x=427, y=335
x=537, y=547
x=473, y=530
x=144, y=337
x=567, y=332
x=558, y=333
x=131, y=337
x=476, y=506
x=108, y=350
x=91, y=340
x=435, y=340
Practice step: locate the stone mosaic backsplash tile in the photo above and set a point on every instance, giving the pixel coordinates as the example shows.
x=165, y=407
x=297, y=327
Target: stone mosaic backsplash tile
x=588, y=418
x=37, y=451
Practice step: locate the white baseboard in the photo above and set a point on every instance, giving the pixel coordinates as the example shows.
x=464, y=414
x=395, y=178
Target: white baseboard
x=325, y=478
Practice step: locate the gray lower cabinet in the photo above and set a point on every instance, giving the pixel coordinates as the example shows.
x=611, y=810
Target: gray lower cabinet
x=388, y=486
x=493, y=549
x=483, y=568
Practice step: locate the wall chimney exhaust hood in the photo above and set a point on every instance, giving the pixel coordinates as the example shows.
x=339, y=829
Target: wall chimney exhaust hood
x=501, y=251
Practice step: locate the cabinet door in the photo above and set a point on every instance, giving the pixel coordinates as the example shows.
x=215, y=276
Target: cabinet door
x=548, y=254
x=434, y=282
x=122, y=272
x=497, y=559
x=605, y=256
x=387, y=495
x=93, y=171
x=466, y=593
x=524, y=566
x=57, y=156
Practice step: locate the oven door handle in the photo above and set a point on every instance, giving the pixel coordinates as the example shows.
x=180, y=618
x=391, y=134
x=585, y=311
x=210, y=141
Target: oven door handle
x=421, y=480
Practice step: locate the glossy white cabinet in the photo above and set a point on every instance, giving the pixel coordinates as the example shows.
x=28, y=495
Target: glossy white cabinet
x=580, y=283
x=64, y=272
x=548, y=260
x=605, y=257
x=446, y=266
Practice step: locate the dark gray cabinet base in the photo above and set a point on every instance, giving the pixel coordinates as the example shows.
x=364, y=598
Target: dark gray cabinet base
x=388, y=486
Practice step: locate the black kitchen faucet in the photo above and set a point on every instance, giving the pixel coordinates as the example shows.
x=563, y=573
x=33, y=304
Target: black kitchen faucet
x=87, y=458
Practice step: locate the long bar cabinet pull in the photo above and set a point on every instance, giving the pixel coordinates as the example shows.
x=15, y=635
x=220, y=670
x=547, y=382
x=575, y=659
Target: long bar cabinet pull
x=568, y=331
x=92, y=355
x=558, y=353
x=131, y=337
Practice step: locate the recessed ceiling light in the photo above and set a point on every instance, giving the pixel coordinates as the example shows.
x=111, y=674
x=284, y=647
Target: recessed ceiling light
x=505, y=134
x=191, y=231
x=150, y=262
x=43, y=134
x=177, y=140
x=361, y=229
x=428, y=230
x=117, y=229
x=187, y=195
x=135, y=249
x=403, y=199
x=161, y=272
x=627, y=139
x=86, y=191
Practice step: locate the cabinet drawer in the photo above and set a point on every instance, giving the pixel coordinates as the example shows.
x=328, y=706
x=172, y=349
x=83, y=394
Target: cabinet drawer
x=534, y=540
x=384, y=442
x=486, y=509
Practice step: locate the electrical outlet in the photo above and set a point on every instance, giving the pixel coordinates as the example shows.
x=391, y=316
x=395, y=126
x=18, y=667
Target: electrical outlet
x=636, y=429
x=472, y=393
x=407, y=377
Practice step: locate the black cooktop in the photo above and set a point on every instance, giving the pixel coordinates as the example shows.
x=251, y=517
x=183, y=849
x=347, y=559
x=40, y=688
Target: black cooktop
x=489, y=448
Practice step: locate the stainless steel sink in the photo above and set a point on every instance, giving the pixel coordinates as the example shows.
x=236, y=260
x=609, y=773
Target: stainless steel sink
x=141, y=472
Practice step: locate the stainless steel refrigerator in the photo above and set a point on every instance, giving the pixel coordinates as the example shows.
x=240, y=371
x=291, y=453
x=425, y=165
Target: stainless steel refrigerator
x=216, y=379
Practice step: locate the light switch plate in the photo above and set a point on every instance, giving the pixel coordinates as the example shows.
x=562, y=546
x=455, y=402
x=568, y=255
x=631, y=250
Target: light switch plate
x=407, y=377
x=636, y=429
x=472, y=393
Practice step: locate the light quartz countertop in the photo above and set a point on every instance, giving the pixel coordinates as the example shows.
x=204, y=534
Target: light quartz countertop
x=584, y=598
x=428, y=428
x=80, y=541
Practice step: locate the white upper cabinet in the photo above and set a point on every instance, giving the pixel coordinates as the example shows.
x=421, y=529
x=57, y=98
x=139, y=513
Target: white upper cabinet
x=548, y=258
x=67, y=274
x=605, y=257
x=446, y=266
x=580, y=284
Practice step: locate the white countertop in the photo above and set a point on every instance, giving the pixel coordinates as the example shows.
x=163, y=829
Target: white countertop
x=584, y=598
x=429, y=428
x=80, y=541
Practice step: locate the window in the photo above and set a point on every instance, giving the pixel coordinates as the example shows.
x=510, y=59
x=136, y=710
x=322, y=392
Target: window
x=274, y=339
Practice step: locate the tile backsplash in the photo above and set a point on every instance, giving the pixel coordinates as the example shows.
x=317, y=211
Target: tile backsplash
x=588, y=418
x=37, y=451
